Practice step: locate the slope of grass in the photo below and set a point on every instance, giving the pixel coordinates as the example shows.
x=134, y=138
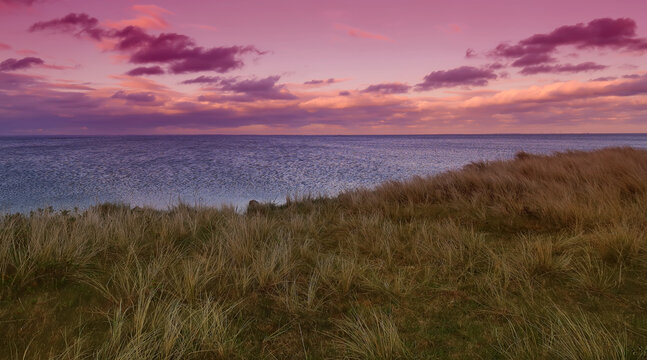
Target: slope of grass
x=541, y=257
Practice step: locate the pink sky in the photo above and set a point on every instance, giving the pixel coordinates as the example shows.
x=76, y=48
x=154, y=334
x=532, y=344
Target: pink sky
x=322, y=67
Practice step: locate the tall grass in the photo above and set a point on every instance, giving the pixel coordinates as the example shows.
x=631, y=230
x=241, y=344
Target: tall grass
x=540, y=257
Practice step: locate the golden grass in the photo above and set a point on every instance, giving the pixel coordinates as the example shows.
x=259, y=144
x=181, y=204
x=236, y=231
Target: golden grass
x=540, y=257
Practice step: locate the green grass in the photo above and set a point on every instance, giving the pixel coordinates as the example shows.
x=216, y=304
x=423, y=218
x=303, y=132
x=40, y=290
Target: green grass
x=540, y=257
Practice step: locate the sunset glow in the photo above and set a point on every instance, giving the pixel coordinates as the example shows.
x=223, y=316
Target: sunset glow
x=315, y=67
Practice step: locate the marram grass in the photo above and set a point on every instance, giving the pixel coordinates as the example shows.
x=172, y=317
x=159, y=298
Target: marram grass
x=540, y=257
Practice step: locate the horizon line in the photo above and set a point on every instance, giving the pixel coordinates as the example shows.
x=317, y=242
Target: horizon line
x=349, y=135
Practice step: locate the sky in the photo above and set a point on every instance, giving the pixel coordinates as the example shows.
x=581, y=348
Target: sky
x=322, y=67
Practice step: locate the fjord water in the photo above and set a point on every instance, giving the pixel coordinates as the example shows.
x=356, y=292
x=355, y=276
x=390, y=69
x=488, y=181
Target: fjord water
x=67, y=172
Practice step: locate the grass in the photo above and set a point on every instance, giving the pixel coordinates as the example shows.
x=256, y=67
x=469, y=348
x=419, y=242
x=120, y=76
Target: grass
x=540, y=257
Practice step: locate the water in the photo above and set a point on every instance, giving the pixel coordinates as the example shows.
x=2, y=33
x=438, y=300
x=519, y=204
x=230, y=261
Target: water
x=67, y=172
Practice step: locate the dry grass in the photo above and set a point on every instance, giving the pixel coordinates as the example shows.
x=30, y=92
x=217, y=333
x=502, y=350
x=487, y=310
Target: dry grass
x=541, y=257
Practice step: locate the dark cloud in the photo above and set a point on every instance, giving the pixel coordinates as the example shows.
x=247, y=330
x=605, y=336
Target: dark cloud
x=78, y=24
x=179, y=52
x=10, y=81
x=470, y=53
x=141, y=97
x=604, y=32
x=534, y=53
x=18, y=64
x=320, y=82
x=388, y=88
x=461, y=76
x=143, y=70
x=495, y=66
x=637, y=86
x=533, y=59
x=604, y=78
x=344, y=93
x=565, y=68
x=203, y=80
x=254, y=89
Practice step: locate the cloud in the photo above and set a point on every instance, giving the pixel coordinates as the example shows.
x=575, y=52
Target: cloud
x=563, y=92
x=150, y=18
x=320, y=82
x=143, y=70
x=139, y=97
x=598, y=33
x=461, y=76
x=533, y=59
x=567, y=106
x=388, y=88
x=19, y=64
x=4, y=46
x=344, y=93
x=203, y=80
x=470, y=53
x=361, y=34
x=256, y=89
x=10, y=81
x=179, y=52
x=78, y=24
x=539, y=49
x=569, y=68
x=604, y=78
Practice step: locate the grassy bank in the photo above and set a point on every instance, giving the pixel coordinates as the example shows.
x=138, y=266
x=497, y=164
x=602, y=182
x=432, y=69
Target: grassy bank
x=541, y=257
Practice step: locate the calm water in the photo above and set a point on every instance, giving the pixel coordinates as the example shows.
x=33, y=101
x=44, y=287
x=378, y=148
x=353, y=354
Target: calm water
x=65, y=172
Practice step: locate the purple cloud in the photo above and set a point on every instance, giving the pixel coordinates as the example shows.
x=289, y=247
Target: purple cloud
x=344, y=93
x=203, y=80
x=248, y=90
x=587, y=66
x=143, y=97
x=143, y=70
x=66, y=112
x=461, y=76
x=258, y=88
x=179, y=52
x=18, y=64
x=534, y=53
x=604, y=32
x=470, y=53
x=388, y=88
x=533, y=59
x=598, y=33
x=79, y=24
x=320, y=82
x=10, y=81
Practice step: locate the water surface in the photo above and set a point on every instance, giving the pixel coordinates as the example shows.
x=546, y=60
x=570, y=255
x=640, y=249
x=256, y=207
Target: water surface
x=67, y=172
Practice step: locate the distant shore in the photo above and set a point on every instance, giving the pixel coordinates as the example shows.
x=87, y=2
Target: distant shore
x=539, y=257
